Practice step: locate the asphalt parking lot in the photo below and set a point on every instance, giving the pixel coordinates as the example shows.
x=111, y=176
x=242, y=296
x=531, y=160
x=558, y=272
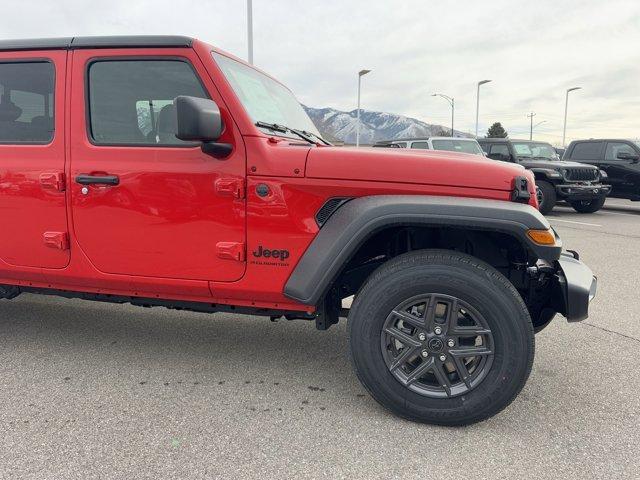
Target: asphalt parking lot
x=93, y=390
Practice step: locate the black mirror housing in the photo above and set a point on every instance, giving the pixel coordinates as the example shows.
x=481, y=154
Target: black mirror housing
x=198, y=119
x=628, y=156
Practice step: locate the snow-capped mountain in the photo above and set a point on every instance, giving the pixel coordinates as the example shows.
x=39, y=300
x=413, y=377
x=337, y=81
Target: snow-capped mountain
x=376, y=126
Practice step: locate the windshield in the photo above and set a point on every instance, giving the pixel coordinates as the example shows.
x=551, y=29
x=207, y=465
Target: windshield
x=464, y=146
x=535, y=150
x=637, y=142
x=264, y=99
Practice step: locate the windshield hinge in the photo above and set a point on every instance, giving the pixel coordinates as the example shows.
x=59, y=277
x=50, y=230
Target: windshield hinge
x=231, y=251
x=233, y=187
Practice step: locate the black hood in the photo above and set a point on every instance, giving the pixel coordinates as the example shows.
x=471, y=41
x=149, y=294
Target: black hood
x=552, y=164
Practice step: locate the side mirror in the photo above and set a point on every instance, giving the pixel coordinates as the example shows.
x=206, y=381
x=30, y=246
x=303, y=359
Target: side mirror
x=628, y=156
x=198, y=119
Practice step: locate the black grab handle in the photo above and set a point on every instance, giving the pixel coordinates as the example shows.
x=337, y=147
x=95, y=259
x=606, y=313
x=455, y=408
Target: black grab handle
x=97, y=179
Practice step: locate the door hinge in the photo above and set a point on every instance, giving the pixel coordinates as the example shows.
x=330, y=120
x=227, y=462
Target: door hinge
x=233, y=187
x=53, y=181
x=231, y=251
x=58, y=240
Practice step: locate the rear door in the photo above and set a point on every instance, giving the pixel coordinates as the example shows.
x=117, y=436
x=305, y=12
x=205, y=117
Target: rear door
x=158, y=206
x=32, y=158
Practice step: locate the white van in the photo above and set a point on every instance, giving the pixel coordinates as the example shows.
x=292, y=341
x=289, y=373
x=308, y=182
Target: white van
x=462, y=145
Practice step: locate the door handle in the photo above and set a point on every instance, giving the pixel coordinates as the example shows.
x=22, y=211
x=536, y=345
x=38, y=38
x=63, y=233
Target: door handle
x=85, y=179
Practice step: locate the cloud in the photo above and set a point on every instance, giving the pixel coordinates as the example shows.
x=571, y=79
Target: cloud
x=532, y=51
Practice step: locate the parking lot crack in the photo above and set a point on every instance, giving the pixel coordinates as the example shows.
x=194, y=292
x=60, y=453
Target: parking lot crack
x=612, y=331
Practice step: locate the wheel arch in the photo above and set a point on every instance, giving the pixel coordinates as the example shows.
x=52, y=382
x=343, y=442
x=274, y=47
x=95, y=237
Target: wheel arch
x=345, y=239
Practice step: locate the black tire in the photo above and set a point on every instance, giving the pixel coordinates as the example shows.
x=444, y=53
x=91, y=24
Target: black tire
x=588, y=206
x=546, y=196
x=474, y=282
x=543, y=320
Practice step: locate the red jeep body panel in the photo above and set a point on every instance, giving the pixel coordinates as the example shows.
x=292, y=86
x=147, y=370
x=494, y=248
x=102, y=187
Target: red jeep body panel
x=410, y=166
x=181, y=224
x=32, y=197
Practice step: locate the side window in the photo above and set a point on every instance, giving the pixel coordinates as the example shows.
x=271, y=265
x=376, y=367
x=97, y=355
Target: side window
x=26, y=102
x=485, y=147
x=443, y=145
x=131, y=101
x=613, y=149
x=423, y=145
x=500, y=150
x=586, y=151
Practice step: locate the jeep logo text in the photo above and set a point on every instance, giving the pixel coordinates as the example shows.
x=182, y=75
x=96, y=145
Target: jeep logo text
x=271, y=253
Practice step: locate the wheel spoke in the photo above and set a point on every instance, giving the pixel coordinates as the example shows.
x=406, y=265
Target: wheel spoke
x=469, y=331
x=407, y=340
x=461, y=368
x=463, y=352
x=452, y=316
x=430, y=313
x=407, y=353
x=420, y=370
x=408, y=318
x=441, y=376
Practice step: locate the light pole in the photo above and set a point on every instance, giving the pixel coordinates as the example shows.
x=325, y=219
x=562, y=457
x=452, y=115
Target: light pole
x=566, y=105
x=481, y=82
x=250, y=30
x=451, y=102
x=533, y=128
x=531, y=115
x=361, y=73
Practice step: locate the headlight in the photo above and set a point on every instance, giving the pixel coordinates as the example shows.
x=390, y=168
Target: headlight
x=603, y=174
x=553, y=173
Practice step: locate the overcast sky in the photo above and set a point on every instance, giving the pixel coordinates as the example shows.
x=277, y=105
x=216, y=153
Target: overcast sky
x=532, y=50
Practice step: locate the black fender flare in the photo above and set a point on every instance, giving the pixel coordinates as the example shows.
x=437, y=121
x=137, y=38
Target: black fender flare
x=543, y=174
x=355, y=221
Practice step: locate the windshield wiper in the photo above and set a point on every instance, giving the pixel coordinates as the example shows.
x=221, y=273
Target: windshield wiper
x=311, y=134
x=284, y=129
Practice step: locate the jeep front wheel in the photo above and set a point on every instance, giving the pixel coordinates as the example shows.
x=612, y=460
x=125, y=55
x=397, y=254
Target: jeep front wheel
x=441, y=337
x=546, y=193
x=588, y=206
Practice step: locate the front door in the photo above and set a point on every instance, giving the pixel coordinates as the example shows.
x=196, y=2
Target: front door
x=145, y=203
x=624, y=174
x=32, y=159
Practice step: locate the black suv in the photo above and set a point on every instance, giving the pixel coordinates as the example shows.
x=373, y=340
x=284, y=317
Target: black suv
x=619, y=158
x=577, y=183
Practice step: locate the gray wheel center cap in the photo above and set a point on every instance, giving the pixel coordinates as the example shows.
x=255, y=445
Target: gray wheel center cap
x=436, y=345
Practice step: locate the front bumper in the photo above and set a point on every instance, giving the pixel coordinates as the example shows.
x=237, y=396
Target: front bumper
x=576, y=287
x=577, y=191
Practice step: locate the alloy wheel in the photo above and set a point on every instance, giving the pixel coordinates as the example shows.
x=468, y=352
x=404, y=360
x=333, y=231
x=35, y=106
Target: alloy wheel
x=437, y=345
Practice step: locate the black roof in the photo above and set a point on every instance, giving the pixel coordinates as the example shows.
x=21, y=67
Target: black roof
x=71, y=43
x=507, y=140
x=605, y=140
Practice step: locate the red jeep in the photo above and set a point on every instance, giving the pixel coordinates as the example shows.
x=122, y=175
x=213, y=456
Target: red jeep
x=160, y=171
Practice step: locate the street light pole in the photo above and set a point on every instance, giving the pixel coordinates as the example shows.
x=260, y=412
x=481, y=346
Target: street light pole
x=361, y=73
x=531, y=115
x=451, y=102
x=482, y=82
x=539, y=123
x=250, y=30
x=566, y=105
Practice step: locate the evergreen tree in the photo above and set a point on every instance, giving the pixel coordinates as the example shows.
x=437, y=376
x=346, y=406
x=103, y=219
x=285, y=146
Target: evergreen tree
x=496, y=131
